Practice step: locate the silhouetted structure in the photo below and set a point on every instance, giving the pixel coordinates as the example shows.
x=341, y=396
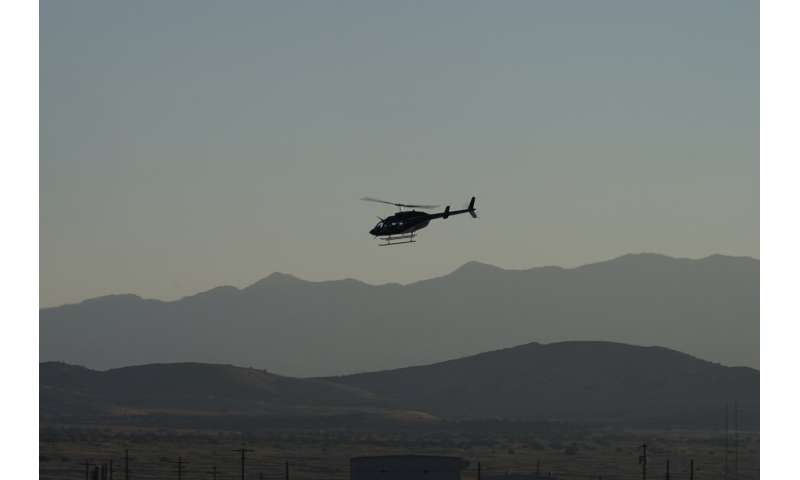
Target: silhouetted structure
x=521, y=476
x=643, y=461
x=127, y=464
x=407, y=467
x=87, y=465
x=180, y=464
x=242, y=451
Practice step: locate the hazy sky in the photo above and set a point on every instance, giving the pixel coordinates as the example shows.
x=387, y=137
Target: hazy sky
x=189, y=144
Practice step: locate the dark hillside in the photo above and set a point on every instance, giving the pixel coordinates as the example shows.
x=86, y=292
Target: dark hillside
x=602, y=382
x=584, y=381
x=195, y=386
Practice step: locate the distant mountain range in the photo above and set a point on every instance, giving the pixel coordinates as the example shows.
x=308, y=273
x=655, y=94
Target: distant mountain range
x=603, y=382
x=708, y=308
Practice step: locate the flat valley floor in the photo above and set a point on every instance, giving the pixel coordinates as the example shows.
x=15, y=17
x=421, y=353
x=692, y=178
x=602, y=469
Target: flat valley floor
x=564, y=452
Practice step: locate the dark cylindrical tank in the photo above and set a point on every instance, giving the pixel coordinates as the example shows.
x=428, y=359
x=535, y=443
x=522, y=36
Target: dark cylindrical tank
x=406, y=467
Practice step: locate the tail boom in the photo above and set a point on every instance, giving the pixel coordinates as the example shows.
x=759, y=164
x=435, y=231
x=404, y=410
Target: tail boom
x=447, y=212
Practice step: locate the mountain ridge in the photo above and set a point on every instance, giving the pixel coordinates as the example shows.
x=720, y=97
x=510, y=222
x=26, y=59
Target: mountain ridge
x=302, y=328
x=470, y=265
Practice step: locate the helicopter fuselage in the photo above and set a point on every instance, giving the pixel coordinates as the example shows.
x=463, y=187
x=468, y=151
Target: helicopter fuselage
x=402, y=223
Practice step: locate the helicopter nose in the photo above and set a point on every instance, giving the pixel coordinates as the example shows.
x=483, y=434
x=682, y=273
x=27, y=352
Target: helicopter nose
x=372, y=232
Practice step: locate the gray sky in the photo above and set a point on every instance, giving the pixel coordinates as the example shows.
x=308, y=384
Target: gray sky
x=189, y=144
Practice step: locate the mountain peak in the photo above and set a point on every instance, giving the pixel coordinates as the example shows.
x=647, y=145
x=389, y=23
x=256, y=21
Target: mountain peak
x=642, y=256
x=636, y=261
x=114, y=299
x=281, y=277
x=275, y=278
x=475, y=267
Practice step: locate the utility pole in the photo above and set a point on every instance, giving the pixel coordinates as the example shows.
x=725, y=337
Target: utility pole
x=725, y=476
x=213, y=472
x=242, y=451
x=479, y=470
x=87, y=464
x=111, y=469
x=180, y=468
x=127, y=458
x=643, y=461
x=691, y=469
x=286, y=471
x=667, y=476
x=736, y=438
x=180, y=463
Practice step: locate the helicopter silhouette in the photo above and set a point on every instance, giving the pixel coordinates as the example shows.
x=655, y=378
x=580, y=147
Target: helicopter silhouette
x=402, y=226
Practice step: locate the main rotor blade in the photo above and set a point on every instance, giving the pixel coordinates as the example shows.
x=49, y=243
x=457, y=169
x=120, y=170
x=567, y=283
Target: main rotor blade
x=420, y=206
x=370, y=199
x=407, y=205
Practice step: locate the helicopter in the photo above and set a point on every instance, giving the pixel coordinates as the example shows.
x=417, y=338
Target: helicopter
x=402, y=226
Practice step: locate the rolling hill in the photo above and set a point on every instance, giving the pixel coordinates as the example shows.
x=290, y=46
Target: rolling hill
x=575, y=381
x=707, y=307
x=608, y=383
x=187, y=387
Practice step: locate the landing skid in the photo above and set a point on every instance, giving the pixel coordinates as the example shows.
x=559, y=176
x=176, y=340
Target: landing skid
x=393, y=240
